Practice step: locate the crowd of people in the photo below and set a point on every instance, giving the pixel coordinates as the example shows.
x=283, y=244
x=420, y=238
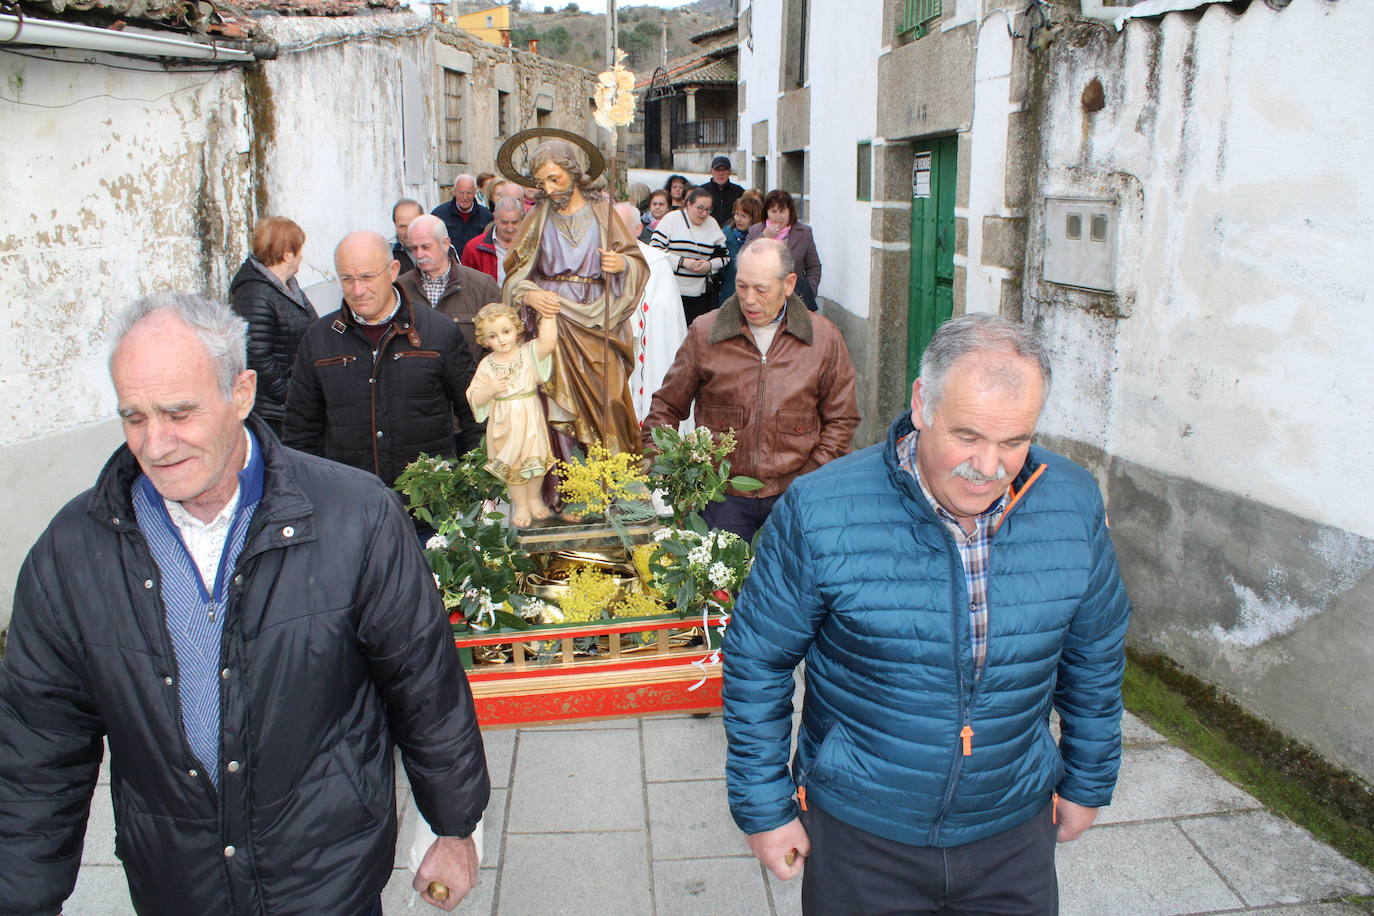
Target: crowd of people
x=454, y=259
x=252, y=628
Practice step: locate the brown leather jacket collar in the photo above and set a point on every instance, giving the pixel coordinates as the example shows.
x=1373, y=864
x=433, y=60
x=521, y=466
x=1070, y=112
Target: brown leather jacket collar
x=730, y=320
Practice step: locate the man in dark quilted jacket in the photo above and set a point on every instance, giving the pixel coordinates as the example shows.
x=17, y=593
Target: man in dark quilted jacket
x=947, y=589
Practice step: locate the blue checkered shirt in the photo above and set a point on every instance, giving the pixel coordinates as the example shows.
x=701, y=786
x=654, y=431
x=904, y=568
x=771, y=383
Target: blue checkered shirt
x=974, y=551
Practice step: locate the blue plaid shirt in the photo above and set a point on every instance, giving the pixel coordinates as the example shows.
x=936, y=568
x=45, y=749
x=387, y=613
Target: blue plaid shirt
x=974, y=550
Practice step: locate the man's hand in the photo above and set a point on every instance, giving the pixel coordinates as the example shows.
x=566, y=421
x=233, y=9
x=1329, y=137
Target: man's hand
x=1073, y=820
x=543, y=301
x=772, y=846
x=612, y=262
x=451, y=862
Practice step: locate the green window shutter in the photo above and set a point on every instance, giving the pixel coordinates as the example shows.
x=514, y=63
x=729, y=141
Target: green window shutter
x=915, y=16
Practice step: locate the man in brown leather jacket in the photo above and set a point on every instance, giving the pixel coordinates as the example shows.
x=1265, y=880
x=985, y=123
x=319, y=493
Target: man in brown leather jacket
x=776, y=374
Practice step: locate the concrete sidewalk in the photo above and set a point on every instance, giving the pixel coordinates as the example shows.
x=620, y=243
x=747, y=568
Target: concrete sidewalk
x=629, y=817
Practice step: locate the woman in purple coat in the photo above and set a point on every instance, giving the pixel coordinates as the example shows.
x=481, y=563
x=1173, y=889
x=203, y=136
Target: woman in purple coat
x=781, y=224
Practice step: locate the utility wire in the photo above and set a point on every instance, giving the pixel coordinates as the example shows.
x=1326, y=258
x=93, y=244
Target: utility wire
x=106, y=95
x=169, y=65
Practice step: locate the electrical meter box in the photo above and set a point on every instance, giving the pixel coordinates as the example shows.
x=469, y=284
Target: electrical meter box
x=1080, y=242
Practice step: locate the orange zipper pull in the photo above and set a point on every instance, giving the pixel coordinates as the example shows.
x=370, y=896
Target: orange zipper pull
x=801, y=797
x=1054, y=809
x=967, y=735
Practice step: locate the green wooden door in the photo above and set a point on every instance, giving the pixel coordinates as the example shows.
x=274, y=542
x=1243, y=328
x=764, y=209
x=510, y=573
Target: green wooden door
x=931, y=295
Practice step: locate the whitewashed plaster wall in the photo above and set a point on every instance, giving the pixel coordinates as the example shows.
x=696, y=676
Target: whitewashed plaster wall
x=1222, y=392
x=843, y=113
x=1239, y=148
x=116, y=183
x=335, y=160
x=758, y=64
x=987, y=158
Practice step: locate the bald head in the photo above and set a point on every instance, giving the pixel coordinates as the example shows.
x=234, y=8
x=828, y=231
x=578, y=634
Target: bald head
x=771, y=255
x=362, y=243
x=366, y=272
x=764, y=279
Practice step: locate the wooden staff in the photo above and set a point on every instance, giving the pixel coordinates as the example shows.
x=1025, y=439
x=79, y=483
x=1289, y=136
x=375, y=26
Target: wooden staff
x=606, y=301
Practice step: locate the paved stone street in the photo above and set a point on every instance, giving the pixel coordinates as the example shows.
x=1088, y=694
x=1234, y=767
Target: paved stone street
x=629, y=817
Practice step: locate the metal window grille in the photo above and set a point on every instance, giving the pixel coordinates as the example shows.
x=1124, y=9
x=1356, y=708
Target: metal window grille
x=864, y=177
x=503, y=119
x=707, y=132
x=914, y=16
x=455, y=94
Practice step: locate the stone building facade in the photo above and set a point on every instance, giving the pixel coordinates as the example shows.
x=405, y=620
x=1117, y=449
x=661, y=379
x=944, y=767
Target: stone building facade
x=125, y=177
x=1176, y=195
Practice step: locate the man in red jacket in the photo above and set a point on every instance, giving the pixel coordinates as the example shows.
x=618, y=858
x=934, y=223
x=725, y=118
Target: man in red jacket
x=487, y=252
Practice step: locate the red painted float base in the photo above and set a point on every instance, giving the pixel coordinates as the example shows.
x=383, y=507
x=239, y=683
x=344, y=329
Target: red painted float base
x=617, y=685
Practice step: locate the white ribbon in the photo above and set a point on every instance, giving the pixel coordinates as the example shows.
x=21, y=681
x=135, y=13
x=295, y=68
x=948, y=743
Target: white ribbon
x=714, y=658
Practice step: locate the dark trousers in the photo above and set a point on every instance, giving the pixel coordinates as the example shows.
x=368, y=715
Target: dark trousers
x=694, y=307
x=851, y=872
x=739, y=514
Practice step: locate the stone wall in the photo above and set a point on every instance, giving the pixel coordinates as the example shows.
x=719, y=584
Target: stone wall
x=541, y=93
x=1217, y=390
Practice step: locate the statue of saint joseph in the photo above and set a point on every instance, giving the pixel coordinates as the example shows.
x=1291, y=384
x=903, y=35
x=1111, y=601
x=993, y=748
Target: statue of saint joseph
x=572, y=261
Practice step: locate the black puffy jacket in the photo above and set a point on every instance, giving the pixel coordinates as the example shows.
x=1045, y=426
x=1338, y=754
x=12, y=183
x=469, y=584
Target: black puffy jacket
x=335, y=646
x=380, y=413
x=276, y=323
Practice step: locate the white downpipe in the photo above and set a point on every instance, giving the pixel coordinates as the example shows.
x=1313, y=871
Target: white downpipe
x=53, y=34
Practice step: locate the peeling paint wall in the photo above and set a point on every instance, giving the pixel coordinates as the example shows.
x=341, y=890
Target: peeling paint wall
x=119, y=183
x=334, y=159
x=116, y=183
x=123, y=183
x=1219, y=390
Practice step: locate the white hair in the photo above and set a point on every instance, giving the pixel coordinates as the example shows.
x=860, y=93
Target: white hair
x=433, y=225
x=224, y=333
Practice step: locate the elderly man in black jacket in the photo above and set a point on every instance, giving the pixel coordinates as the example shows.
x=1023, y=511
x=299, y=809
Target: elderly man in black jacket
x=379, y=381
x=463, y=215
x=252, y=629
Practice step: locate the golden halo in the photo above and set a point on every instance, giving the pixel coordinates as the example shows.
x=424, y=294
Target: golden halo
x=596, y=163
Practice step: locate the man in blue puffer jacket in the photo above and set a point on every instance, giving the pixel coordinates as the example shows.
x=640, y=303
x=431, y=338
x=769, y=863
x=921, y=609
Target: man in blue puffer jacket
x=946, y=589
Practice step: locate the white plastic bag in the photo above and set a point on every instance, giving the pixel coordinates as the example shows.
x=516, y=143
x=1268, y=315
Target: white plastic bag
x=421, y=838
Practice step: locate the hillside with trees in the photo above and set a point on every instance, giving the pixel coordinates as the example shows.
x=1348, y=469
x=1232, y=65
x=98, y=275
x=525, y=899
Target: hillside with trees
x=571, y=35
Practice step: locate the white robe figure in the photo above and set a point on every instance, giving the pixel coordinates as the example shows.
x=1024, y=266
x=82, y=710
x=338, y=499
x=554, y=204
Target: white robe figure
x=659, y=328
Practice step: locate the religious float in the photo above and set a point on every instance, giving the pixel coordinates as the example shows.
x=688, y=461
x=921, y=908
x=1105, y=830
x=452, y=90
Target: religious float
x=619, y=614
x=574, y=599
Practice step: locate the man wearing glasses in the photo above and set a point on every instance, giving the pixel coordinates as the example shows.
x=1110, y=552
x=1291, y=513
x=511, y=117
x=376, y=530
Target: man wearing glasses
x=380, y=380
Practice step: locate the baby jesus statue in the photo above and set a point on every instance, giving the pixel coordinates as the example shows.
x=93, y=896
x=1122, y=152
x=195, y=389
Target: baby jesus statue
x=504, y=393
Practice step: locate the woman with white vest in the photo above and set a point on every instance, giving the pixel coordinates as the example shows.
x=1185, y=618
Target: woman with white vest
x=696, y=243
